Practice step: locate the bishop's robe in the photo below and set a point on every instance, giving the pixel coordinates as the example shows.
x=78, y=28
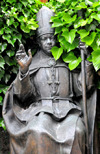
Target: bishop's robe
x=42, y=110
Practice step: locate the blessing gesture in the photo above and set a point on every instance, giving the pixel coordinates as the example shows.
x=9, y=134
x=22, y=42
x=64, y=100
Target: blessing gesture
x=23, y=59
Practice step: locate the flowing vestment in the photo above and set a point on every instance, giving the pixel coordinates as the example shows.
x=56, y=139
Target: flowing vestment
x=42, y=110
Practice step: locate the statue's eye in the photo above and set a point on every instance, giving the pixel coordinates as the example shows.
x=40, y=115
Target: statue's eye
x=52, y=37
x=44, y=38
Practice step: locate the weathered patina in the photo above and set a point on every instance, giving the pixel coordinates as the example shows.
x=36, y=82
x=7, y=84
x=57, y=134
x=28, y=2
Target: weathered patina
x=43, y=107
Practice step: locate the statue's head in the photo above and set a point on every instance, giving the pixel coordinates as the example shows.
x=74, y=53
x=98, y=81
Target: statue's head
x=45, y=34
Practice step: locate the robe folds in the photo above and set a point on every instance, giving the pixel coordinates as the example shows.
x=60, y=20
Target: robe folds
x=43, y=110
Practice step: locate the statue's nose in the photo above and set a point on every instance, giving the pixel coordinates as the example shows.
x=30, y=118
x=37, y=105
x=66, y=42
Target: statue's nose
x=49, y=41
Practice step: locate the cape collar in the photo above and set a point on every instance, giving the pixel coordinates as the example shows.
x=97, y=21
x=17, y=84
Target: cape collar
x=40, y=60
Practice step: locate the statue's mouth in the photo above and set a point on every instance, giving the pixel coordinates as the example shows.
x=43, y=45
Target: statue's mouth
x=48, y=47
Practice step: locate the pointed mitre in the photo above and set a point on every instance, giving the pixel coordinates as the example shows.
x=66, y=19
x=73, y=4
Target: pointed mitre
x=43, y=18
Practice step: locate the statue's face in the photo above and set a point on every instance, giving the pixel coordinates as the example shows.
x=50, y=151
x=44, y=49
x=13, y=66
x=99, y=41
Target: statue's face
x=46, y=42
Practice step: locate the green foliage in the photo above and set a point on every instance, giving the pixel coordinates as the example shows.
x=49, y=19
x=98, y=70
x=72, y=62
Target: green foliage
x=73, y=19
x=77, y=19
x=56, y=52
x=2, y=124
x=71, y=59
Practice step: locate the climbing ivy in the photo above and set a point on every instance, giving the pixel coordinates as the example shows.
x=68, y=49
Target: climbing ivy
x=73, y=20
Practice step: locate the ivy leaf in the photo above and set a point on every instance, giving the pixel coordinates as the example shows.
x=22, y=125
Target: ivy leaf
x=89, y=2
x=1, y=73
x=69, y=36
x=95, y=16
x=89, y=39
x=26, y=13
x=89, y=20
x=24, y=28
x=18, y=6
x=38, y=1
x=98, y=41
x=68, y=18
x=53, y=18
x=7, y=30
x=10, y=40
x=14, y=70
x=6, y=77
x=63, y=41
x=24, y=2
x=7, y=37
x=81, y=5
x=75, y=63
x=15, y=24
x=56, y=52
x=1, y=31
x=91, y=27
x=74, y=3
x=31, y=1
x=11, y=1
x=2, y=124
x=3, y=46
x=31, y=24
x=67, y=45
x=9, y=61
x=3, y=88
x=57, y=30
x=57, y=23
x=17, y=37
x=32, y=27
x=31, y=21
x=94, y=45
x=83, y=33
x=98, y=29
x=96, y=59
x=20, y=19
x=72, y=60
x=95, y=4
x=81, y=23
x=2, y=62
x=89, y=58
x=10, y=53
x=10, y=21
x=69, y=57
x=1, y=99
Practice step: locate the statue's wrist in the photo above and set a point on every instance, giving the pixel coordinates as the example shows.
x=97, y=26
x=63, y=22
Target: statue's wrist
x=22, y=74
x=23, y=71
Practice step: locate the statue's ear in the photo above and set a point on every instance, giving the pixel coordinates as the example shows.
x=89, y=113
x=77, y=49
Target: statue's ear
x=39, y=42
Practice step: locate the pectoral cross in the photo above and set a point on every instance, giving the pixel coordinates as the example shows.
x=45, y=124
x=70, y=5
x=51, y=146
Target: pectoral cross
x=53, y=82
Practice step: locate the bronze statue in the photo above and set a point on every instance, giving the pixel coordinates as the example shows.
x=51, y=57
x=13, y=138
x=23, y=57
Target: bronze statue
x=43, y=106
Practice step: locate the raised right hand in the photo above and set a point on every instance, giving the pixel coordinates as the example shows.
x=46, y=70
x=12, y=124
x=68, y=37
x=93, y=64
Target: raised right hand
x=23, y=59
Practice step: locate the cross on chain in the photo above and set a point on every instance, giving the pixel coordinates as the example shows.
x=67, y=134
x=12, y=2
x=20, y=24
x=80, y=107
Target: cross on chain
x=53, y=82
